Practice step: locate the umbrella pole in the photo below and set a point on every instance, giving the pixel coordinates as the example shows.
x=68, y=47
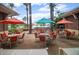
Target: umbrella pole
x=3, y=27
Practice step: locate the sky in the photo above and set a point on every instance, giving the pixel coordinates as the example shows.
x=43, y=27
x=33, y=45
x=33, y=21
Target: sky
x=41, y=10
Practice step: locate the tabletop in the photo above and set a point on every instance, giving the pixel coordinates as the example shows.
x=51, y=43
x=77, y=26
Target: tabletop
x=71, y=51
x=1, y=32
x=44, y=34
x=12, y=35
x=23, y=52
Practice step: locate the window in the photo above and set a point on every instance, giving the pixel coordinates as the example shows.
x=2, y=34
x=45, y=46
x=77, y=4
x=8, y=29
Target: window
x=77, y=15
x=2, y=15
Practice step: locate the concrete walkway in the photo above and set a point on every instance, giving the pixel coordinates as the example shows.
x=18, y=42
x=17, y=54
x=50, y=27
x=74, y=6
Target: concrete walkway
x=30, y=42
x=62, y=43
x=24, y=52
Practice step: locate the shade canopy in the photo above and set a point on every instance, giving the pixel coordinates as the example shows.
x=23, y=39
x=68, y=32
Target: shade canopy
x=64, y=21
x=11, y=21
x=44, y=21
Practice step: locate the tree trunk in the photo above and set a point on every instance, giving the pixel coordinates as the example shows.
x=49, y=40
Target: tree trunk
x=78, y=27
x=30, y=19
x=27, y=15
x=51, y=5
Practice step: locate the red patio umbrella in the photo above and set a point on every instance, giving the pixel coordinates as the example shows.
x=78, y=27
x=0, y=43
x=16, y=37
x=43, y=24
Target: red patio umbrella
x=64, y=21
x=11, y=21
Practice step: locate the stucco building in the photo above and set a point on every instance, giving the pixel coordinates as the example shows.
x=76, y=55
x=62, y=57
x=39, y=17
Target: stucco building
x=73, y=16
x=4, y=13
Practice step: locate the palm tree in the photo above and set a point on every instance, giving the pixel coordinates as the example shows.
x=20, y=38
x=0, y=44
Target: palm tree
x=30, y=19
x=11, y=5
x=26, y=4
x=28, y=10
x=24, y=19
x=52, y=5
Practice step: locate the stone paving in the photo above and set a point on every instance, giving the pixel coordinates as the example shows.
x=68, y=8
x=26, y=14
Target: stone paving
x=23, y=52
x=30, y=42
x=62, y=43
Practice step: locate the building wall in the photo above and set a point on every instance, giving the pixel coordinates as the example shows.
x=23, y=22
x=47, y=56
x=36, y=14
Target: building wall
x=3, y=27
x=74, y=25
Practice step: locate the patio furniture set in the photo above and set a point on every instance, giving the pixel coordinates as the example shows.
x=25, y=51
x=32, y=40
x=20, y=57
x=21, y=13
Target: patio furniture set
x=67, y=34
x=46, y=38
x=10, y=40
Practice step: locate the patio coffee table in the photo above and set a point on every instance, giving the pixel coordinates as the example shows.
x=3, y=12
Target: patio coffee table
x=23, y=52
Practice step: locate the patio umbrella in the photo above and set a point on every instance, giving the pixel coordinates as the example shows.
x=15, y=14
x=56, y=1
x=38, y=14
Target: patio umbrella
x=11, y=21
x=64, y=21
x=44, y=21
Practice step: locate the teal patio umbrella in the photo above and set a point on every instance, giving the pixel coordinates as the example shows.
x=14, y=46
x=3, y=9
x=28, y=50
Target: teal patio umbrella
x=44, y=21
